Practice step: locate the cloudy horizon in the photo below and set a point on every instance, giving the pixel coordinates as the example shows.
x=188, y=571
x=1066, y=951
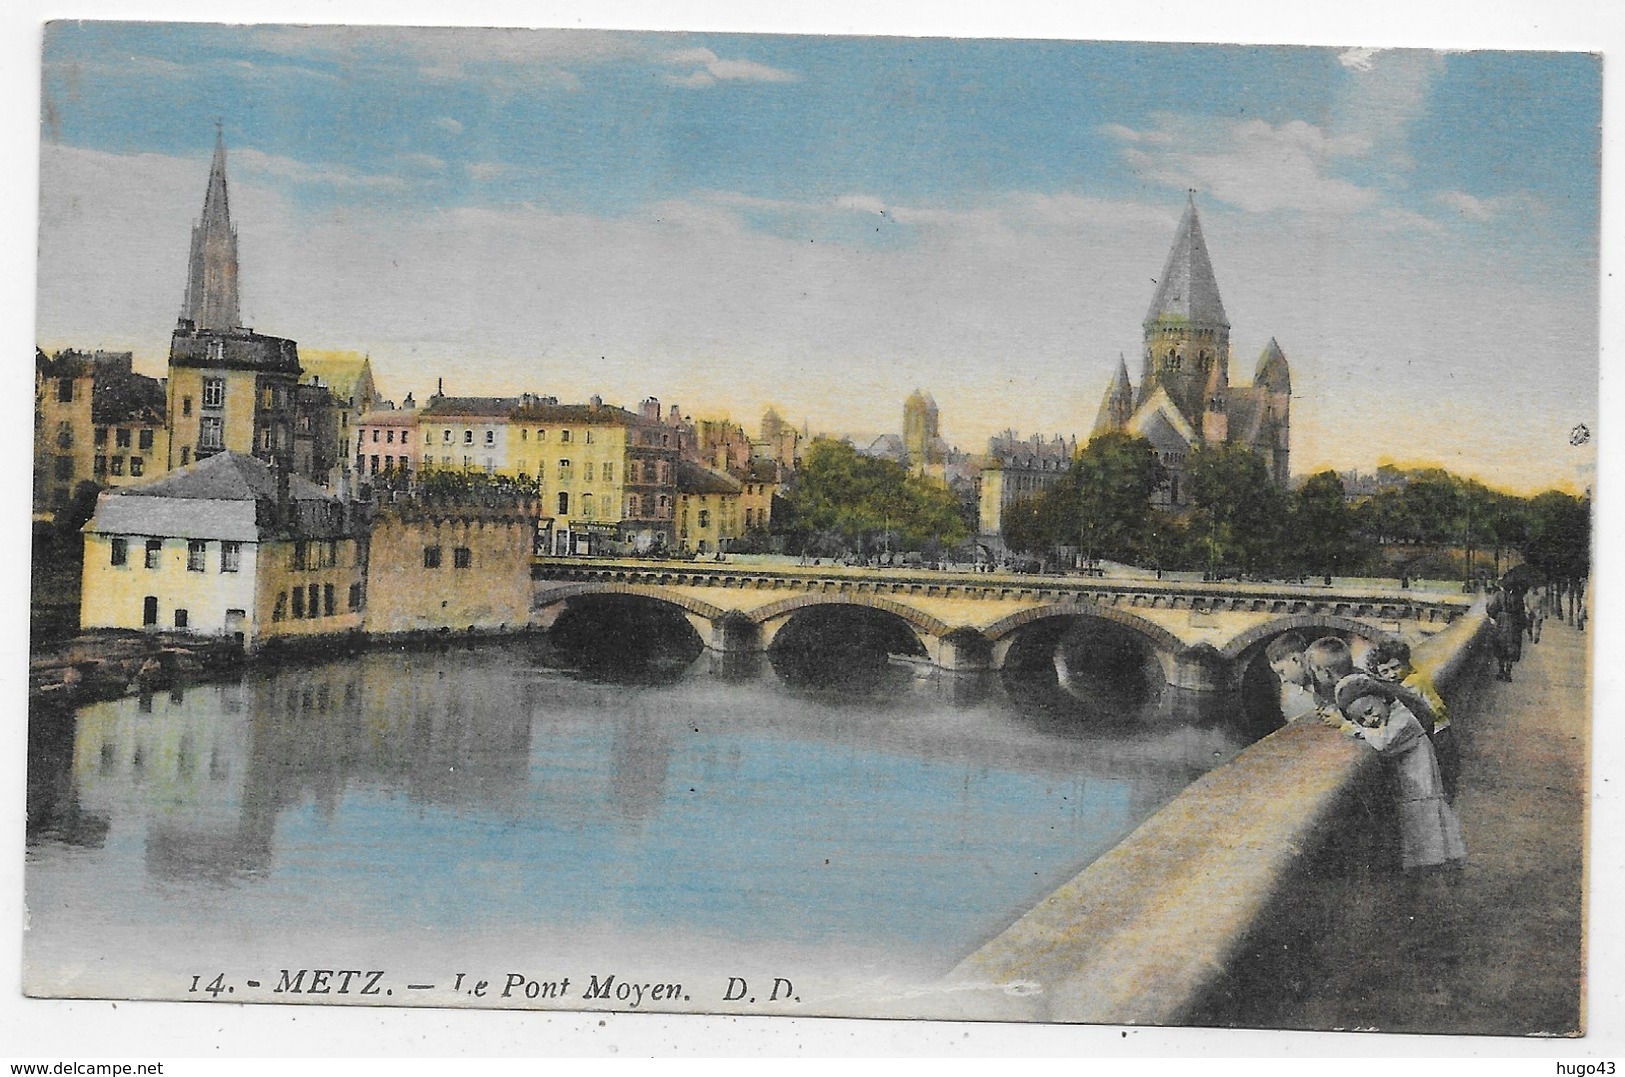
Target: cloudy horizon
x=730, y=222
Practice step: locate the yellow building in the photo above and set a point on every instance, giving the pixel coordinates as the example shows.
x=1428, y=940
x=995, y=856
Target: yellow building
x=707, y=508
x=95, y=420
x=226, y=546
x=607, y=475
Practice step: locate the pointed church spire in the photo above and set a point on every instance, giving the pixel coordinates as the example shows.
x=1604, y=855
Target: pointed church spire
x=1187, y=290
x=211, y=276
x=1117, y=407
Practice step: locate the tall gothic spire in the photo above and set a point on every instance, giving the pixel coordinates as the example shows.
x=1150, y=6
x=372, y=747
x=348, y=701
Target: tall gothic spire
x=1187, y=291
x=211, y=277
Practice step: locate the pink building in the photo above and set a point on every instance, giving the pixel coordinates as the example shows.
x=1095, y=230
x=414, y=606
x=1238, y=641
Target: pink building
x=386, y=443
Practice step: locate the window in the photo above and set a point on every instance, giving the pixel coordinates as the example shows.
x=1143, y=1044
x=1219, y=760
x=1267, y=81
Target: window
x=541, y=435
x=445, y=437
x=155, y=549
x=280, y=611
x=180, y=618
x=301, y=554
x=609, y=472
x=315, y=598
x=186, y=455
x=564, y=504
x=564, y=471
x=116, y=464
x=468, y=437
x=149, y=611
x=524, y=435
x=586, y=471
x=231, y=556
x=564, y=435
x=121, y=439
x=462, y=557
x=355, y=597
x=64, y=390
x=144, y=440
x=298, y=601
x=121, y=551
x=186, y=405
x=389, y=436
x=101, y=436
x=138, y=466
x=490, y=437
x=327, y=599
x=214, y=393
x=330, y=553
x=196, y=553
x=587, y=509
x=705, y=517
x=375, y=463
x=431, y=557
x=589, y=437
x=64, y=468
x=211, y=434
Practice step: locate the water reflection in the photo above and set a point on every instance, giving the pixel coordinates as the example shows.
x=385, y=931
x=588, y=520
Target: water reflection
x=795, y=796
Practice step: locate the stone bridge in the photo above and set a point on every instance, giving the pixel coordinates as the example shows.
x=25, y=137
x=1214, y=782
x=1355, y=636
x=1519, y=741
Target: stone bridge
x=1200, y=633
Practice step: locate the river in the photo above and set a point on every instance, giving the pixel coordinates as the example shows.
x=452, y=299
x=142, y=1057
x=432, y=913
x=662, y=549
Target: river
x=487, y=810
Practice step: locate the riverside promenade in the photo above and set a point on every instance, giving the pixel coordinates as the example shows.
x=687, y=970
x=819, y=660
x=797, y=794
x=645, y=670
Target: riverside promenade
x=1500, y=949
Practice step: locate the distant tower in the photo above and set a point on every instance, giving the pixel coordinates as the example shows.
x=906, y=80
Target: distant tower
x=1187, y=336
x=211, y=277
x=919, y=429
x=1272, y=381
x=1118, y=405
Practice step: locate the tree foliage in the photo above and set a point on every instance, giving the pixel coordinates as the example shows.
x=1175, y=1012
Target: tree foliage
x=862, y=502
x=1239, y=508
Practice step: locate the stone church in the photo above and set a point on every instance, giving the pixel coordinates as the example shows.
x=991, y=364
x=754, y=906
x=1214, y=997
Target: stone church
x=1185, y=397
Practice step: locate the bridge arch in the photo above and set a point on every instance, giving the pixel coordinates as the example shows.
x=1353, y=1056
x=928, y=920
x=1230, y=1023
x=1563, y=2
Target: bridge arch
x=1162, y=640
x=1305, y=623
x=918, y=620
x=561, y=593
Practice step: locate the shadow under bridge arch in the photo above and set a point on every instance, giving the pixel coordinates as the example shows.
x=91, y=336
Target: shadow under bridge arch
x=859, y=624
x=1023, y=638
x=710, y=623
x=1260, y=688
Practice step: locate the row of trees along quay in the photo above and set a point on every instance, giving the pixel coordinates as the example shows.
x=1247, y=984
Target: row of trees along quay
x=1419, y=523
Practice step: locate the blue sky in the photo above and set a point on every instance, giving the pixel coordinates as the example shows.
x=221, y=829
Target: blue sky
x=729, y=221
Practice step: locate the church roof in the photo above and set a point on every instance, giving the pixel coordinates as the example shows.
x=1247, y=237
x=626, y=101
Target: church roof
x=1187, y=291
x=211, y=277
x=1117, y=402
x=1160, y=422
x=1273, y=371
x=341, y=372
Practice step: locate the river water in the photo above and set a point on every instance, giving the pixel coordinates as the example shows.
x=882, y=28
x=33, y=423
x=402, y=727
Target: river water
x=482, y=811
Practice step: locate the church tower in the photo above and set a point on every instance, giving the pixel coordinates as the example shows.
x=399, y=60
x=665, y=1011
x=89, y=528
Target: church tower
x=1187, y=336
x=211, y=275
x=1117, y=407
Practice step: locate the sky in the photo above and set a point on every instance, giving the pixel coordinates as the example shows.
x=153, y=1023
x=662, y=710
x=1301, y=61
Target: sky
x=823, y=224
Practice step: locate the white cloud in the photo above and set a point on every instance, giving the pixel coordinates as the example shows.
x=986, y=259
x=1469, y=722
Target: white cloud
x=710, y=69
x=253, y=164
x=1252, y=164
x=1477, y=209
x=1358, y=59
x=447, y=124
x=1011, y=312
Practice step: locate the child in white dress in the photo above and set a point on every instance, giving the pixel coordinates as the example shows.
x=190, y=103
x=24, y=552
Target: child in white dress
x=1429, y=831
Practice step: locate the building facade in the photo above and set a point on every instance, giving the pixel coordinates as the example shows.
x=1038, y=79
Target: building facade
x=1185, y=398
x=95, y=420
x=708, y=509
x=226, y=546
x=1018, y=469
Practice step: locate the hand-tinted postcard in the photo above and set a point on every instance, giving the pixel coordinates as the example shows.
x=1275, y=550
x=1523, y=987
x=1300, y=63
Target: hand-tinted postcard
x=1022, y=530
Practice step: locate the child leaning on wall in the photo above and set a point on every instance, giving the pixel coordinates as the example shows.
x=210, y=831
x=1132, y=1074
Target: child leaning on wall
x=1390, y=660
x=1372, y=712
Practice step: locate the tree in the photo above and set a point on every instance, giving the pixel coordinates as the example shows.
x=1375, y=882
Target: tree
x=1113, y=479
x=1239, y=509
x=861, y=501
x=1321, y=526
x=1558, y=537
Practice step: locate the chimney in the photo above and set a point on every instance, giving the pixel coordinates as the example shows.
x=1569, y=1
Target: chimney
x=596, y=401
x=409, y=404
x=650, y=409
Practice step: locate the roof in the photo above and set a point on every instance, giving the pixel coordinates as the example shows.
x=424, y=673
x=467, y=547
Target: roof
x=341, y=372
x=389, y=417
x=226, y=476
x=1160, y=422
x=1187, y=290
x=693, y=478
x=1273, y=372
x=485, y=406
x=124, y=397
x=608, y=415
